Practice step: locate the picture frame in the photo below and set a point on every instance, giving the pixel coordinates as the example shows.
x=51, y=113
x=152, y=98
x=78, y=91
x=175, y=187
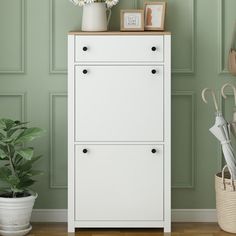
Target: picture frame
x=154, y=15
x=132, y=20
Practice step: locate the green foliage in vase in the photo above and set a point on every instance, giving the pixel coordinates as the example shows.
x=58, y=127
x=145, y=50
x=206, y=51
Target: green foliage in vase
x=16, y=160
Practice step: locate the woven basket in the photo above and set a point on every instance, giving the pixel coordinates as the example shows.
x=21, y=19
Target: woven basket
x=226, y=201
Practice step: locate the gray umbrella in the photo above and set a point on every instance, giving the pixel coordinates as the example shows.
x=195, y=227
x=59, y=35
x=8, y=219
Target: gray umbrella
x=222, y=132
x=233, y=122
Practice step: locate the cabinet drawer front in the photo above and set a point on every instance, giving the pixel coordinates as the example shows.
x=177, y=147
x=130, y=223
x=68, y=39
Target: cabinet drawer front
x=119, y=103
x=119, y=182
x=119, y=49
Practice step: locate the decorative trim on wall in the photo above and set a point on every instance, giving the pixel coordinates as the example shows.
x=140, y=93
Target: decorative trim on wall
x=52, y=156
x=178, y=215
x=221, y=17
x=52, y=67
x=189, y=95
x=22, y=97
x=191, y=70
x=21, y=70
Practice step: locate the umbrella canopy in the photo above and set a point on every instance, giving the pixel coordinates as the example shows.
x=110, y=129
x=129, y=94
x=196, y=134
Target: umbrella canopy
x=222, y=132
x=233, y=122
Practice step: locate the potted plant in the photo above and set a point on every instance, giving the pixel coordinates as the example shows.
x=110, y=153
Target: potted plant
x=16, y=176
x=94, y=13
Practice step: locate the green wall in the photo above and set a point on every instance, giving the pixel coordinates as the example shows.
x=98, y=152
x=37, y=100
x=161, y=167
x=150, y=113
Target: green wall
x=33, y=87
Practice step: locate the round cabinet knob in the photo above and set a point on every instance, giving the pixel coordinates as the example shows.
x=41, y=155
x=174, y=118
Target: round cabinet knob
x=154, y=49
x=85, y=49
x=85, y=71
x=154, y=150
x=85, y=150
x=154, y=71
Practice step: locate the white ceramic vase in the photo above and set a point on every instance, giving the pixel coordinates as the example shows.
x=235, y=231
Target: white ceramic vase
x=15, y=214
x=95, y=17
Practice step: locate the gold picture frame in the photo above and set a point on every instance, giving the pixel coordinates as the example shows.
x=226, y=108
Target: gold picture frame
x=132, y=20
x=154, y=15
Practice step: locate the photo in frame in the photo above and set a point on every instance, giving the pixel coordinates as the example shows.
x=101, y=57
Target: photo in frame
x=132, y=20
x=154, y=15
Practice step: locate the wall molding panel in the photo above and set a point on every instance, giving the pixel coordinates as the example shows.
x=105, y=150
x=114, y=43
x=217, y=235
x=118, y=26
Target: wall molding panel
x=52, y=67
x=221, y=38
x=222, y=69
x=189, y=95
x=190, y=70
x=22, y=100
x=53, y=97
x=21, y=68
x=136, y=4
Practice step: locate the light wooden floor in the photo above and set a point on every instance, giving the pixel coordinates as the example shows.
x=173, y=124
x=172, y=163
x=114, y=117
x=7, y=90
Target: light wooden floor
x=178, y=229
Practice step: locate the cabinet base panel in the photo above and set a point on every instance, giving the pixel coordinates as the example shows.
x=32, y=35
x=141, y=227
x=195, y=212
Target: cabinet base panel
x=122, y=224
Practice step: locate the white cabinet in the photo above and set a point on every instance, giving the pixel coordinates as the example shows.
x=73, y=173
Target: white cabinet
x=119, y=130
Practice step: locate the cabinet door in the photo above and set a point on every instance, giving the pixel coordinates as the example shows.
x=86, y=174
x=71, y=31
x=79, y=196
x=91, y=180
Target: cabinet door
x=119, y=48
x=119, y=103
x=119, y=182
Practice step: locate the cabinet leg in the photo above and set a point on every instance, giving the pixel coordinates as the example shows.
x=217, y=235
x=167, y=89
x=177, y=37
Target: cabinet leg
x=70, y=228
x=167, y=228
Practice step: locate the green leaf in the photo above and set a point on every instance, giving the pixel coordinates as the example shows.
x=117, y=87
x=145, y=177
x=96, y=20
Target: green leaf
x=3, y=155
x=4, y=173
x=18, y=159
x=35, y=172
x=2, y=143
x=26, y=153
x=6, y=123
x=3, y=133
x=27, y=165
x=19, y=126
x=16, y=134
x=25, y=182
x=7, y=140
x=13, y=180
x=29, y=135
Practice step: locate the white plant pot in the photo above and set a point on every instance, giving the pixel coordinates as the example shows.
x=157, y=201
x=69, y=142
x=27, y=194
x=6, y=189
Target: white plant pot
x=95, y=17
x=15, y=213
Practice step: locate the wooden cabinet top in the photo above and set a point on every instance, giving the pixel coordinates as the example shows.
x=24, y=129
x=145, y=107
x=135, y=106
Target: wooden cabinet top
x=120, y=33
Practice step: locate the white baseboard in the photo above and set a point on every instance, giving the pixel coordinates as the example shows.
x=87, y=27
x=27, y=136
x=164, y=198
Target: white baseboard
x=178, y=215
x=194, y=215
x=49, y=215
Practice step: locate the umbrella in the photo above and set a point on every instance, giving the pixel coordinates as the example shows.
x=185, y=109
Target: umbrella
x=233, y=122
x=222, y=132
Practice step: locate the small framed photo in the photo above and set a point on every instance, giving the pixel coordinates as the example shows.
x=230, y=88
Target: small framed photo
x=132, y=20
x=154, y=15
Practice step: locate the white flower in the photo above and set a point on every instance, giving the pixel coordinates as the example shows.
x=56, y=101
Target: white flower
x=81, y=2
x=89, y=1
x=111, y=3
x=78, y=2
x=75, y=2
